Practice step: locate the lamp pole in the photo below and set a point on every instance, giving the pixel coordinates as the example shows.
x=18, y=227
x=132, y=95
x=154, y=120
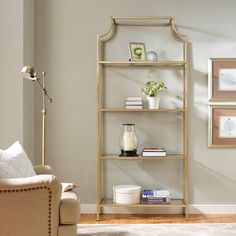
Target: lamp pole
x=33, y=76
x=44, y=112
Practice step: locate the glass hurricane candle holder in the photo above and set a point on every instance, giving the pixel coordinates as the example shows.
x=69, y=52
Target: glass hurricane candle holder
x=128, y=141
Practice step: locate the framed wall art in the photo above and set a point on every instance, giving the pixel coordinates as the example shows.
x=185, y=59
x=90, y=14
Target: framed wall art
x=222, y=79
x=137, y=51
x=222, y=126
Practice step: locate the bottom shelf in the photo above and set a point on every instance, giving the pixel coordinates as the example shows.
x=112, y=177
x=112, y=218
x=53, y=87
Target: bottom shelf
x=173, y=203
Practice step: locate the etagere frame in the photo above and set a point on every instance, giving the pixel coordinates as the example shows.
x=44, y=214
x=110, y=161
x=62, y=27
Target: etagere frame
x=166, y=21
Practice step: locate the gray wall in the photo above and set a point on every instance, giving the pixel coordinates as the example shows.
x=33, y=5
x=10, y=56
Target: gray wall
x=28, y=86
x=16, y=95
x=11, y=25
x=66, y=48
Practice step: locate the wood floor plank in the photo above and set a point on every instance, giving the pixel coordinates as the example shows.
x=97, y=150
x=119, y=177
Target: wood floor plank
x=153, y=219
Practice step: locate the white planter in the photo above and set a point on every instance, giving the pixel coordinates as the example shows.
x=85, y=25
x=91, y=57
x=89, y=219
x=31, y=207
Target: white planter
x=153, y=102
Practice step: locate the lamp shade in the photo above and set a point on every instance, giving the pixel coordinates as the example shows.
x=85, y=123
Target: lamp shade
x=29, y=72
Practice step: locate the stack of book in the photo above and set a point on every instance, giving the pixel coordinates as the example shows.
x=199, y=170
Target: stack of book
x=134, y=103
x=156, y=196
x=154, y=152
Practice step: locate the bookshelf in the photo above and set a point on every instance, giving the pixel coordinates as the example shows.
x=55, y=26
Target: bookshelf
x=102, y=65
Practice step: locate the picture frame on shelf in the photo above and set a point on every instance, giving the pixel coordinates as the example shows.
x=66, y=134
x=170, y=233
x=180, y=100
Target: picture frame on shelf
x=222, y=126
x=137, y=51
x=222, y=79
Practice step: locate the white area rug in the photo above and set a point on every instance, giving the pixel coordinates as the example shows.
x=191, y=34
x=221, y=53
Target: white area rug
x=220, y=229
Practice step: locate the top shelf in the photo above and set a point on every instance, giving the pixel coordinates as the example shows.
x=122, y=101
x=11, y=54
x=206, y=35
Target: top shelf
x=144, y=63
x=146, y=21
x=143, y=21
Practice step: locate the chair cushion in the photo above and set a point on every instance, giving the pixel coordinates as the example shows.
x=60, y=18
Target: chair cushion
x=69, y=208
x=14, y=163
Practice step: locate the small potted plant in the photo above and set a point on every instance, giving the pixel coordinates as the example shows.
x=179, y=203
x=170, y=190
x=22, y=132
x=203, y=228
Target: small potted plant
x=151, y=90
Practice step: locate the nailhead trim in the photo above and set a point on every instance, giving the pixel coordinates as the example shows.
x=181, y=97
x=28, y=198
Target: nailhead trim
x=49, y=201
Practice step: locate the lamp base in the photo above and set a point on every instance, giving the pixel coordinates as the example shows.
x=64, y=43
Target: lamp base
x=132, y=153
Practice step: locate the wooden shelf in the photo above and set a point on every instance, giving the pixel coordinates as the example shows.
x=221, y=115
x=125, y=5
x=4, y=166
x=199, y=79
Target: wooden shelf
x=144, y=63
x=167, y=157
x=142, y=110
x=173, y=203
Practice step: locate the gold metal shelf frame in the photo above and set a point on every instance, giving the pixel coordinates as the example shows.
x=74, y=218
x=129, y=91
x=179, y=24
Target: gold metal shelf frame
x=144, y=21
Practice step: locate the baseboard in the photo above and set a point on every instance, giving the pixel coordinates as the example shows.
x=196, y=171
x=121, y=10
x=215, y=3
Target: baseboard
x=193, y=209
x=88, y=208
x=212, y=209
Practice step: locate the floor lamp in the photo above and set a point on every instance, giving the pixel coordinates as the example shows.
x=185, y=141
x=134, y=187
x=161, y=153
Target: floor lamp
x=30, y=74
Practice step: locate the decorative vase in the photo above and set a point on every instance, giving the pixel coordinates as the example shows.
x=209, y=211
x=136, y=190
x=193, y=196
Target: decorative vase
x=153, y=102
x=151, y=56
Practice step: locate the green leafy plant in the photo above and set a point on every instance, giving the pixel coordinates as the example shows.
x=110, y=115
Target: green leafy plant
x=138, y=51
x=152, y=88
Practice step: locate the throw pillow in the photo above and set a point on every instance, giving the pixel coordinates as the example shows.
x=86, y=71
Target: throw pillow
x=14, y=163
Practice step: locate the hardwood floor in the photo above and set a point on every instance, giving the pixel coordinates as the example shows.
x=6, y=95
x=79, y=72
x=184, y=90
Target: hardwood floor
x=153, y=219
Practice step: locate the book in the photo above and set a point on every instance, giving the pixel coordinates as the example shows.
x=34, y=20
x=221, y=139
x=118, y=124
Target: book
x=156, y=196
x=68, y=186
x=161, y=199
x=154, y=154
x=133, y=107
x=134, y=99
x=132, y=103
x=155, y=193
x=154, y=150
x=158, y=201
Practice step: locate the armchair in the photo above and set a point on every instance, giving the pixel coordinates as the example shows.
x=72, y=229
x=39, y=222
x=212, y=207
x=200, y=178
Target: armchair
x=36, y=206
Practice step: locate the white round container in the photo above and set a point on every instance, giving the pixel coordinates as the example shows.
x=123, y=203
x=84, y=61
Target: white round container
x=126, y=194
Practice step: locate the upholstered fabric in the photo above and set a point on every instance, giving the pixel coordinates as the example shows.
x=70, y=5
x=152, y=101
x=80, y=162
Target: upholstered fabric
x=39, y=169
x=31, y=207
x=69, y=208
x=67, y=230
x=14, y=163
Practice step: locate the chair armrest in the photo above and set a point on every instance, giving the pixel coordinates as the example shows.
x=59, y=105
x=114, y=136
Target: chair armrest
x=49, y=181
x=31, y=205
x=40, y=169
x=69, y=208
